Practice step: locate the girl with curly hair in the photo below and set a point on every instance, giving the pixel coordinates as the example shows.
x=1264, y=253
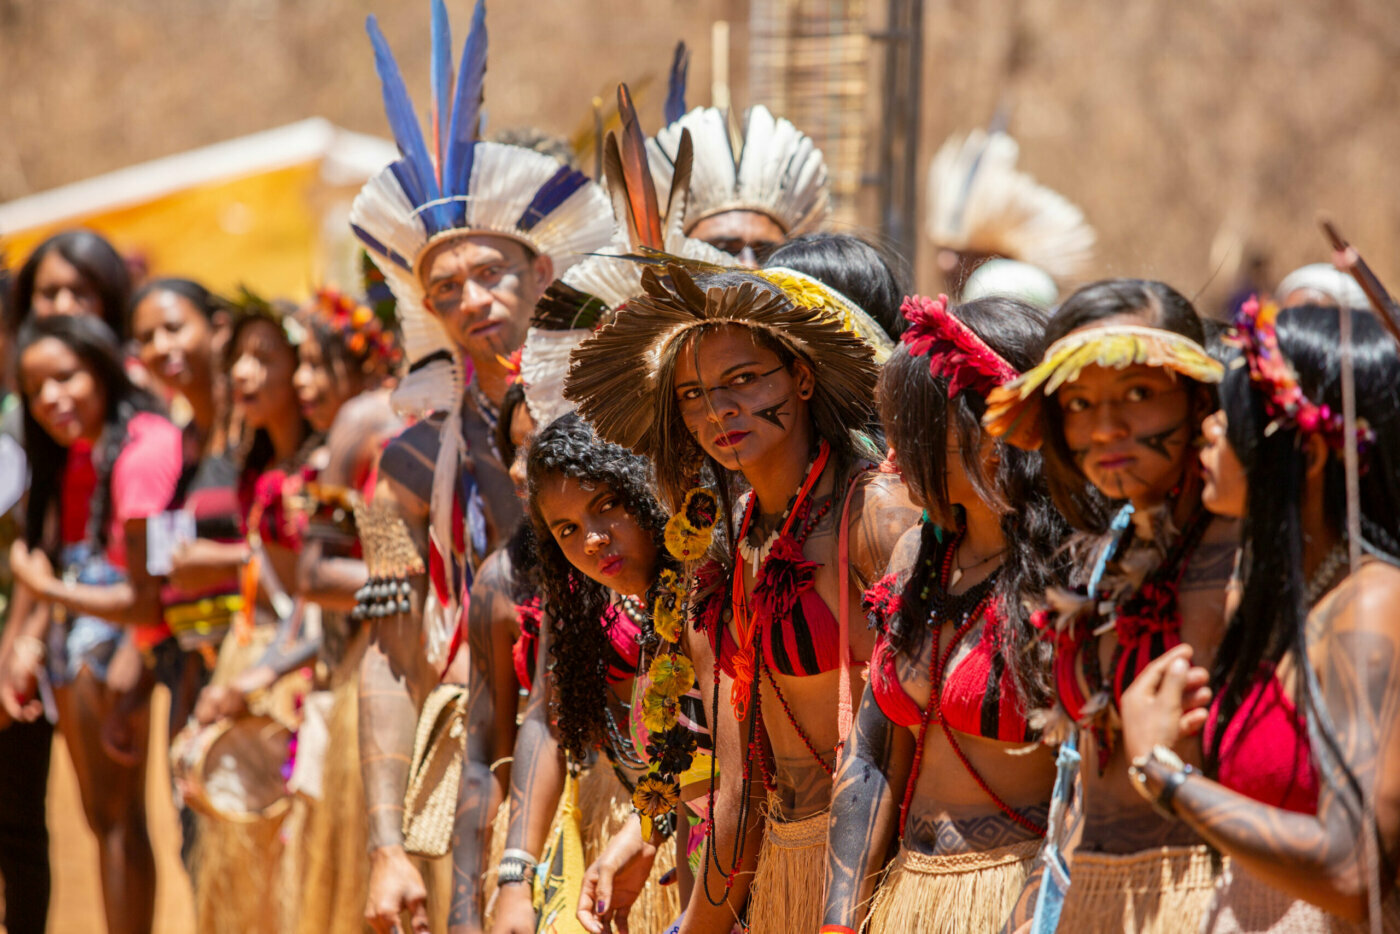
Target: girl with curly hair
x=600, y=535
x=938, y=757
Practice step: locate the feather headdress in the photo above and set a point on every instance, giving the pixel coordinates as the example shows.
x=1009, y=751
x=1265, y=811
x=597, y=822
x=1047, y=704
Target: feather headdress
x=773, y=168
x=576, y=303
x=446, y=185
x=451, y=184
x=1013, y=410
x=953, y=350
x=979, y=202
x=615, y=376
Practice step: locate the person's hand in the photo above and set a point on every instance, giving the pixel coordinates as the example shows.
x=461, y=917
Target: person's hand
x=1166, y=702
x=395, y=887
x=615, y=880
x=31, y=567
x=19, y=680
x=252, y=680
x=515, y=914
x=218, y=702
x=202, y=565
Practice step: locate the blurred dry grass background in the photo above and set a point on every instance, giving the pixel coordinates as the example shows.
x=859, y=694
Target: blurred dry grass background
x=1189, y=131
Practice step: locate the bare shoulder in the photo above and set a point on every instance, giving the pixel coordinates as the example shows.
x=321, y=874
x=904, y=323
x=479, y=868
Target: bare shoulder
x=1366, y=602
x=495, y=575
x=881, y=514
x=906, y=553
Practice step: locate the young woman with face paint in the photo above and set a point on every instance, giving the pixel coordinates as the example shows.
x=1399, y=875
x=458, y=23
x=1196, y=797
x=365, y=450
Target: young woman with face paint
x=1115, y=406
x=1301, y=731
x=600, y=538
x=748, y=388
x=938, y=758
x=100, y=454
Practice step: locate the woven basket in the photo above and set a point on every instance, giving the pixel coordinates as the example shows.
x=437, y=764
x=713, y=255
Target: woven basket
x=430, y=805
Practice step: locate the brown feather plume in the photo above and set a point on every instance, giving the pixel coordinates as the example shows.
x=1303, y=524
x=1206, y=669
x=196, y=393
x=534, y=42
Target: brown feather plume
x=645, y=215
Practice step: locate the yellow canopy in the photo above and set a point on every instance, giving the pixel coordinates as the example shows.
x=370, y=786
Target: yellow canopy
x=267, y=210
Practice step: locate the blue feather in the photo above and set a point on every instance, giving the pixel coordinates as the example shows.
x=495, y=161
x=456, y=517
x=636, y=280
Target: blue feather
x=466, y=112
x=442, y=81
x=551, y=194
x=415, y=169
x=675, y=90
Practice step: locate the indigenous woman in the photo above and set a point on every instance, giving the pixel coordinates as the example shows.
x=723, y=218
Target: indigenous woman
x=1302, y=732
x=1118, y=401
x=938, y=757
x=76, y=272
x=346, y=359
x=755, y=386
x=99, y=455
x=601, y=554
x=238, y=865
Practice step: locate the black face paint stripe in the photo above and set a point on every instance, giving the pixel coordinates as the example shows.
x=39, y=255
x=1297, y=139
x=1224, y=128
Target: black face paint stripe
x=1157, y=443
x=773, y=412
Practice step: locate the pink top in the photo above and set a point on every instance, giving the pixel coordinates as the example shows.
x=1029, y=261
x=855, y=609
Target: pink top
x=1265, y=752
x=144, y=477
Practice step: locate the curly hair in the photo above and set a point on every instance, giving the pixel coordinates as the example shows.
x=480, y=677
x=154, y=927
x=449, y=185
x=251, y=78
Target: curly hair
x=917, y=414
x=575, y=603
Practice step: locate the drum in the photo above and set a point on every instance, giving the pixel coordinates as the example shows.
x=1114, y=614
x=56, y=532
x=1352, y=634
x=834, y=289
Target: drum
x=234, y=770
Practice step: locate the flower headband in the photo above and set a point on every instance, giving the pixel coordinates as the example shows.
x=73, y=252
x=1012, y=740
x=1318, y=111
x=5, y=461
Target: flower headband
x=954, y=351
x=1256, y=335
x=367, y=337
x=1013, y=410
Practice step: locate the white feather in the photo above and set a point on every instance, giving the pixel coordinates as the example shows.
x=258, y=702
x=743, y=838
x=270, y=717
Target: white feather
x=544, y=362
x=979, y=201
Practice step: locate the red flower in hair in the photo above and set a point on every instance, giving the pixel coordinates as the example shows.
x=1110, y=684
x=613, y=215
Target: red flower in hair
x=953, y=350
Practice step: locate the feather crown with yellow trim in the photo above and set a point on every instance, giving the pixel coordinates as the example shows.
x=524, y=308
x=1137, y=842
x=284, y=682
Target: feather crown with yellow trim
x=1013, y=409
x=615, y=375
x=453, y=184
x=773, y=168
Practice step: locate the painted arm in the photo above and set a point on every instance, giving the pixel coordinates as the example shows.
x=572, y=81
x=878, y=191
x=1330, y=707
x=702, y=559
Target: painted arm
x=1323, y=858
x=870, y=783
x=491, y=703
x=394, y=679
x=536, y=782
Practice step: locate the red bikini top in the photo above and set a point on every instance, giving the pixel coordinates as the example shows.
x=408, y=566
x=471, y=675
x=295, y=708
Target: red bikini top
x=977, y=697
x=1265, y=752
x=622, y=632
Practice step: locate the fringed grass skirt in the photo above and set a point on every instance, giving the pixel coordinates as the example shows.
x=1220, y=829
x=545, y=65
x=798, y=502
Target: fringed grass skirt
x=954, y=893
x=788, y=894
x=1160, y=891
x=337, y=858
x=1244, y=904
x=606, y=807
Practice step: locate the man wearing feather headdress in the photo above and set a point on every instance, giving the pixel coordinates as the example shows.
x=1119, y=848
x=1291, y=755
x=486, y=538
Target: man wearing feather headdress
x=749, y=191
x=468, y=234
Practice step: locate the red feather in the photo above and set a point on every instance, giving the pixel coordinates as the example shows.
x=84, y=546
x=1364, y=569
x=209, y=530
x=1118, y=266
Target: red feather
x=953, y=350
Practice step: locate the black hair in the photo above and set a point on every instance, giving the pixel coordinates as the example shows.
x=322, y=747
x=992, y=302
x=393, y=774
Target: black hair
x=512, y=400
x=574, y=602
x=851, y=266
x=1270, y=621
x=96, y=260
x=204, y=301
x=1086, y=508
x=916, y=410
x=96, y=346
x=255, y=454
